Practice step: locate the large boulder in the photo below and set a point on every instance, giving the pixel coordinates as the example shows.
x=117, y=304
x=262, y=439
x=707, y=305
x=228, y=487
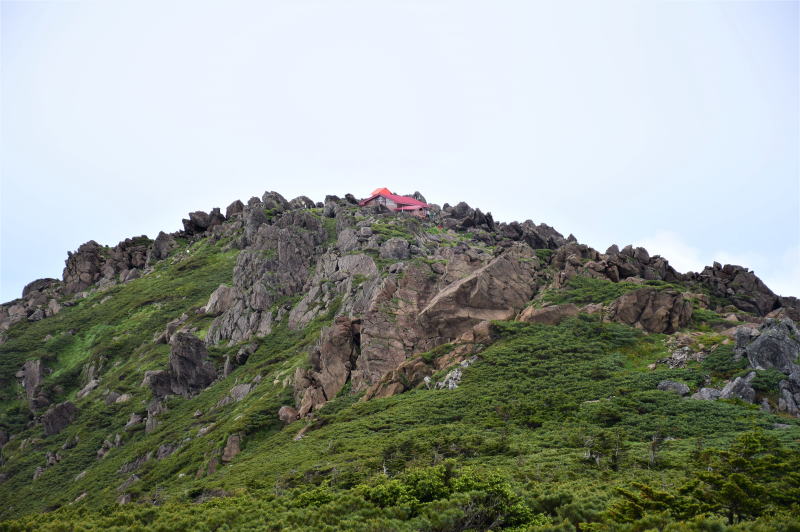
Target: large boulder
x=220, y=300
x=740, y=388
x=740, y=285
x=237, y=207
x=82, y=267
x=232, y=447
x=653, y=310
x=161, y=247
x=302, y=202
x=190, y=369
x=39, y=285
x=395, y=248
x=777, y=346
x=674, y=387
x=58, y=417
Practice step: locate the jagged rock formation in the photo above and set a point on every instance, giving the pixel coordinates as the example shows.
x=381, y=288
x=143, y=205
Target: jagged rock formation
x=658, y=311
x=189, y=372
x=295, y=303
x=776, y=346
x=274, y=265
x=395, y=293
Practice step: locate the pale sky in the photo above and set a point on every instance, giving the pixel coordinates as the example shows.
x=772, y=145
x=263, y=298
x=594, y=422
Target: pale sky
x=672, y=124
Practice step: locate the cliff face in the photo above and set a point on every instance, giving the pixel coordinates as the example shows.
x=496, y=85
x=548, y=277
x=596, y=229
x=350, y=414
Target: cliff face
x=278, y=308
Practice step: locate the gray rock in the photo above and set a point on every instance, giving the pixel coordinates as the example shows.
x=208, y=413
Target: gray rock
x=58, y=417
x=220, y=300
x=237, y=207
x=274, y=201
x=776, y=347
x=33, y=373
x=740, y=388
x=674, y=387
x=395, y=248
x=706, y=394
x=190, y=369
x=658, y=311
x=301, y=202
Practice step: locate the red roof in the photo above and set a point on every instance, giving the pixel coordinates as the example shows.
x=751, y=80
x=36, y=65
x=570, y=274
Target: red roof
x=401, y=201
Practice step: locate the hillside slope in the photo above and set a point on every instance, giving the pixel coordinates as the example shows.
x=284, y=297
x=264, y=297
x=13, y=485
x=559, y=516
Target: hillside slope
x=292, y=365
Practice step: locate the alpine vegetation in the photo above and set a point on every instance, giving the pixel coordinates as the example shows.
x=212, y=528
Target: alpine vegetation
x=389, y=364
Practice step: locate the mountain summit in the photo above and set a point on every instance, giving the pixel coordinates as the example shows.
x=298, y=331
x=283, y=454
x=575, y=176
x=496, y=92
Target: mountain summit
x=389, y=364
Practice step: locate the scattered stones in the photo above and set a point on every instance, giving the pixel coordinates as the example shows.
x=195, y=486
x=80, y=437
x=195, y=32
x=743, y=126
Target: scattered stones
x=453, y=377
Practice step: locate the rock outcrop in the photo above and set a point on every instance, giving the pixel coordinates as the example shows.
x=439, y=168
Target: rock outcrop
x=190, y=370
x=746, y=291
x=93, y=264
x=774, y=346
x=653, y=310
x=274, y=265
x=58, y=417
x=32, y=375
x=413, y=313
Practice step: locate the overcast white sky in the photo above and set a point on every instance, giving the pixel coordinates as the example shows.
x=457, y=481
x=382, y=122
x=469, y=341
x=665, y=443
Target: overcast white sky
x=672, y=124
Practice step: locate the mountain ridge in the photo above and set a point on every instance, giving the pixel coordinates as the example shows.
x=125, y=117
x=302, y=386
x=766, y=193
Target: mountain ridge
x=168, y=363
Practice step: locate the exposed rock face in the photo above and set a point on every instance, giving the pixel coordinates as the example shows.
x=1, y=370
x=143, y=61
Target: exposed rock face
x=275, y=264
x=496, y=291
x=412, y=313
x=189, y=372
x=33, y=373
x=302, y=202
x=775, y=345
x=740, y=285
x=83, y=267
x=550, y=315
x=161, y=248
x=39, y=285
x=200, y=221
x=740, y=388
x=94, y=264
x=58, y=417
x=221, y=300
x=190, y=369
x=332, y=362
x=237, y=207
x=658, y=311
x=395, y=248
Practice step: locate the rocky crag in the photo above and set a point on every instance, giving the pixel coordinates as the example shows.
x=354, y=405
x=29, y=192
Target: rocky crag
x=386, y=303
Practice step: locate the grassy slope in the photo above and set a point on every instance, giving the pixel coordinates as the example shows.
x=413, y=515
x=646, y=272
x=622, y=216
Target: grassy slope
x=517, y=428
